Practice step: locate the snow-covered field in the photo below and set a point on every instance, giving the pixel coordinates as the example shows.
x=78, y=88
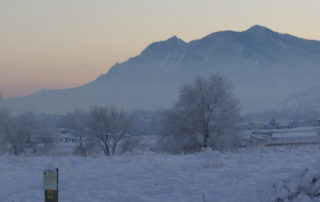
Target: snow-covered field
x=246, y=176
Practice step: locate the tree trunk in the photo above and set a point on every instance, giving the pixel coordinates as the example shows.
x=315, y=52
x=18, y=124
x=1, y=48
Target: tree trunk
x=205, y=139
x=106, y=150
x=82, y=149
x=205, y=145
x=15, y=150
x=114, y=146
x=106, y=146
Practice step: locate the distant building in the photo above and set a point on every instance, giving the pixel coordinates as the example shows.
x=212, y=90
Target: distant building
x=65, y=137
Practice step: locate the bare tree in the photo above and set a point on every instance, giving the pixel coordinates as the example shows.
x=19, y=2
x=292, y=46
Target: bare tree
x=6, y=132
x=23, y=132
x=12, y=140
x=34, y=136
x=205, y=115
x=108, y=125
x=76, y=123
x=26, y=130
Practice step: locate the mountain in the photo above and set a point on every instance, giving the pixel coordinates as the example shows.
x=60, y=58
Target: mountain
x=265, y=67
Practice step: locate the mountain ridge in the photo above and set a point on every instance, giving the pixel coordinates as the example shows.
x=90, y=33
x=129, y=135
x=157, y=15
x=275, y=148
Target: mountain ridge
x=255, y=60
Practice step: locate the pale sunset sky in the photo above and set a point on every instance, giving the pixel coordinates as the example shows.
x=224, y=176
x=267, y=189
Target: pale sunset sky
x=53, y=44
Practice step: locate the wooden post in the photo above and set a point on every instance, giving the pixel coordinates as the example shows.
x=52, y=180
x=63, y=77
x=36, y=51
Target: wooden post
x=51, y=185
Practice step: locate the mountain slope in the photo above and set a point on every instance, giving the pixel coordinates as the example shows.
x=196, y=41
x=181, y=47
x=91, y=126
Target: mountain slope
x=265, y=67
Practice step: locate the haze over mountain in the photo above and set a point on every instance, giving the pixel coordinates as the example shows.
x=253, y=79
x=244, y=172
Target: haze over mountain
x=305, y=101
x=264, y=66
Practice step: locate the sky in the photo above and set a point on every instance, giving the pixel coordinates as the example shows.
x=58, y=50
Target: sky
x=56, y=44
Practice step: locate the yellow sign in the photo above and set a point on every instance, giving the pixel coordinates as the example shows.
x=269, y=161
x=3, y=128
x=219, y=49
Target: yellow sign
x=50, y=194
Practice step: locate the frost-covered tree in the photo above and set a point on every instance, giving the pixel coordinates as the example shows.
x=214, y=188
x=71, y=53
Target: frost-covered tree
x=26, y=130
x=108, y=125
x=22, y=133
x=77, y=124
x=205, y=115
x=5, y=129
x=34, y=136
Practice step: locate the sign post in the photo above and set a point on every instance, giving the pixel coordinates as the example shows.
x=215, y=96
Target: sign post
x=51, y=185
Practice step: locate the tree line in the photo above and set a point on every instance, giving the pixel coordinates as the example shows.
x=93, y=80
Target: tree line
x=205, y=116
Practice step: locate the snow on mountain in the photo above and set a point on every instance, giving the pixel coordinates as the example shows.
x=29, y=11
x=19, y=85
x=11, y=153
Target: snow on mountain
x=265, y=67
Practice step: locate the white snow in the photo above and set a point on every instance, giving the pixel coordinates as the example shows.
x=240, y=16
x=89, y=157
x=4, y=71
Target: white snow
x=302, y=186
x=247, y=175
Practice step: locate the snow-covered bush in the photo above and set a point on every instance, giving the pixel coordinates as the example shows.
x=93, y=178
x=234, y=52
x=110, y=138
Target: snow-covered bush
x=130, y=144
x=303, y=186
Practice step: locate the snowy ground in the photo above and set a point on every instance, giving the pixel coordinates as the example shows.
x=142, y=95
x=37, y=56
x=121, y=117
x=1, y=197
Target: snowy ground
x=235, y=177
